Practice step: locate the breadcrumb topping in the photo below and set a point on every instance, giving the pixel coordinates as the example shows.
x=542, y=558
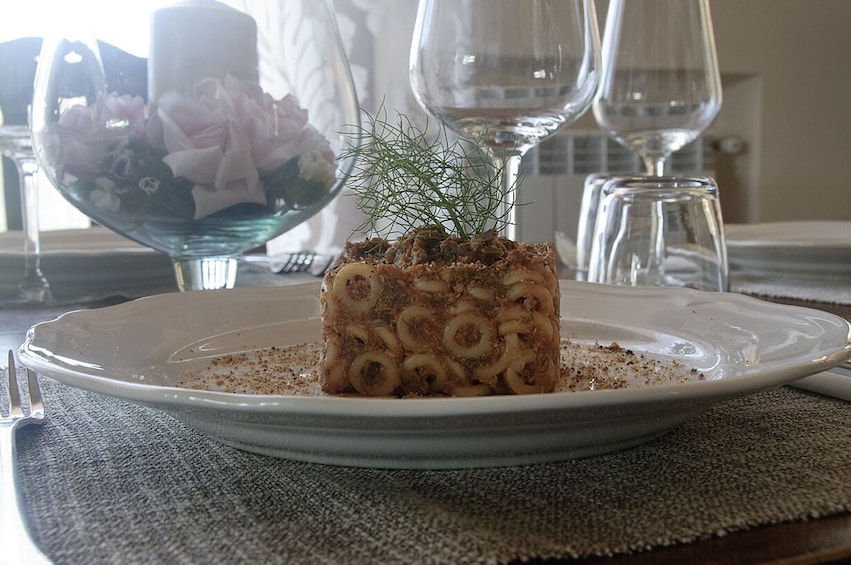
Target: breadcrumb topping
x=294, y=370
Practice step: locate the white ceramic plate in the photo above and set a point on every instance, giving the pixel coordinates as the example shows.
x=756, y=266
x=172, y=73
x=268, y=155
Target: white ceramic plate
x=136, y=350
x=817, y=248
x=94, y=258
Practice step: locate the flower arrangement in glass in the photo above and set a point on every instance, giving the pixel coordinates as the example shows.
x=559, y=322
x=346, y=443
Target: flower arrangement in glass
x=212, y=163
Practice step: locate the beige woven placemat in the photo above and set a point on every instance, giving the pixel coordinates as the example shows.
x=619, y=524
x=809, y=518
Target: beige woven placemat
x=105, y=481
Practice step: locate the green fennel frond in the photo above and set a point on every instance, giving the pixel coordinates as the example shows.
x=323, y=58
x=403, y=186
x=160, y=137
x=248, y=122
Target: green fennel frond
x=404, y=179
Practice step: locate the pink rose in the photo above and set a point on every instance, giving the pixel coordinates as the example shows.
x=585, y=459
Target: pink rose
x=84, y=135
x=75, y=146
x=207, y=145
x=223, y=136
x=125, y=113
x=273, y=128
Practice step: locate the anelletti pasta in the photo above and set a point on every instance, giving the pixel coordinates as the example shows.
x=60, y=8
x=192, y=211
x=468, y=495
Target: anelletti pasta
x=435, y=315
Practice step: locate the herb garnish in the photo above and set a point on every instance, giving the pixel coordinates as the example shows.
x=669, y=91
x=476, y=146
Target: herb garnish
x=403, y=179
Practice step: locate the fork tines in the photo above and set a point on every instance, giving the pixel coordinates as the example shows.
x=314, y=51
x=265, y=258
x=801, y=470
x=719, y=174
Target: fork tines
x=31, y=392
x=297, y=262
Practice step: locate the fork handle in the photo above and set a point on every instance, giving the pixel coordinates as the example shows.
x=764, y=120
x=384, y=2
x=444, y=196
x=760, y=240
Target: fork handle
x=17, y=545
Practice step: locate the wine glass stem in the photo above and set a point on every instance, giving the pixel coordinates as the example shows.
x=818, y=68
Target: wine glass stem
x=510, y=165
x=208, y=273
x=655, y=166
x=34, y=286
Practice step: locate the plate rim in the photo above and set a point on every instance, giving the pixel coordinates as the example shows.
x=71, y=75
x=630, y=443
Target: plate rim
x=347, y=406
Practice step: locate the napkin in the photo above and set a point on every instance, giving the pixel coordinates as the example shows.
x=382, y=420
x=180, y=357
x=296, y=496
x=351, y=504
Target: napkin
x=835, y=382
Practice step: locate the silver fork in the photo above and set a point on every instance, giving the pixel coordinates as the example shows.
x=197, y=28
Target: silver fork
x=302, y=262
x=17, y=545
x=297, y=262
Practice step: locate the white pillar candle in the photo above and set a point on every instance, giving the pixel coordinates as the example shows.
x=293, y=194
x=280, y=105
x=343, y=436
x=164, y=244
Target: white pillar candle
x=199, y=39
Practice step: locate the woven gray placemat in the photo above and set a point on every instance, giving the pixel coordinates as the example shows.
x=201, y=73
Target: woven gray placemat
x=105, y=481
x=826, y=289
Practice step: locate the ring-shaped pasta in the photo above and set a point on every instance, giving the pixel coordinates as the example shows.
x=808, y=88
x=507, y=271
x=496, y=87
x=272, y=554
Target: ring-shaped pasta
x=458, y=373
x=550, y=279
x=524, y=327
x=489, y=372
x=358, y=332
x=515, y=276
x=335, y=379
x=430, y=286
x=513, y=374
x=543, y=323
x=461, y=385
x=387, y=337
x=331, y=353
x=460, y=307
x=327, y=305
x=541, y=295
x=454, y=327
x=334, y=375
x=366, y=381
x=431, y=366
x=481, y=293
x=514, y=312
x=347, y=276
x=521, y=327
x=407, y=317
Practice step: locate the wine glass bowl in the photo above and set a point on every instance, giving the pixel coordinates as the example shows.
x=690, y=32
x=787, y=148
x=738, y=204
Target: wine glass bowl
x=234, y=143
x=660, y=86
x=509, y=73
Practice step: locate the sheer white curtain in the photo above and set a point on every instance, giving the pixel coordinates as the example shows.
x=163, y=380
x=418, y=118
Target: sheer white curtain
x=377, y=38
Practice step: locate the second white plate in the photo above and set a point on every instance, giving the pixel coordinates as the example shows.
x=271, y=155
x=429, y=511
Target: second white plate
x=814, y=248
x=89, y=261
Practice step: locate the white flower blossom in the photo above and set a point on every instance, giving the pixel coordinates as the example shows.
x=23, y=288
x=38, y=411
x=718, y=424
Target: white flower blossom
x=106, y=201
x=105, y=184
x=313, y=166
x=149, y=184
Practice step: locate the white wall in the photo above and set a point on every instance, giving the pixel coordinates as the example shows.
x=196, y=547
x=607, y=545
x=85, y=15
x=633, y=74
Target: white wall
x=786, y=68
x=792, y=59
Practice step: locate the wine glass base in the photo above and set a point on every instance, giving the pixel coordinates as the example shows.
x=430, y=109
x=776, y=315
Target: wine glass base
x=206, y=274
x=26, y=295
x=35, y=293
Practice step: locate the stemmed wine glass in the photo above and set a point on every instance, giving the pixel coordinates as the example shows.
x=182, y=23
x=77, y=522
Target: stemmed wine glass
x=233, y=140
x=15, y=144
x=507, y=72
x=660, y=86
x=18, y=69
